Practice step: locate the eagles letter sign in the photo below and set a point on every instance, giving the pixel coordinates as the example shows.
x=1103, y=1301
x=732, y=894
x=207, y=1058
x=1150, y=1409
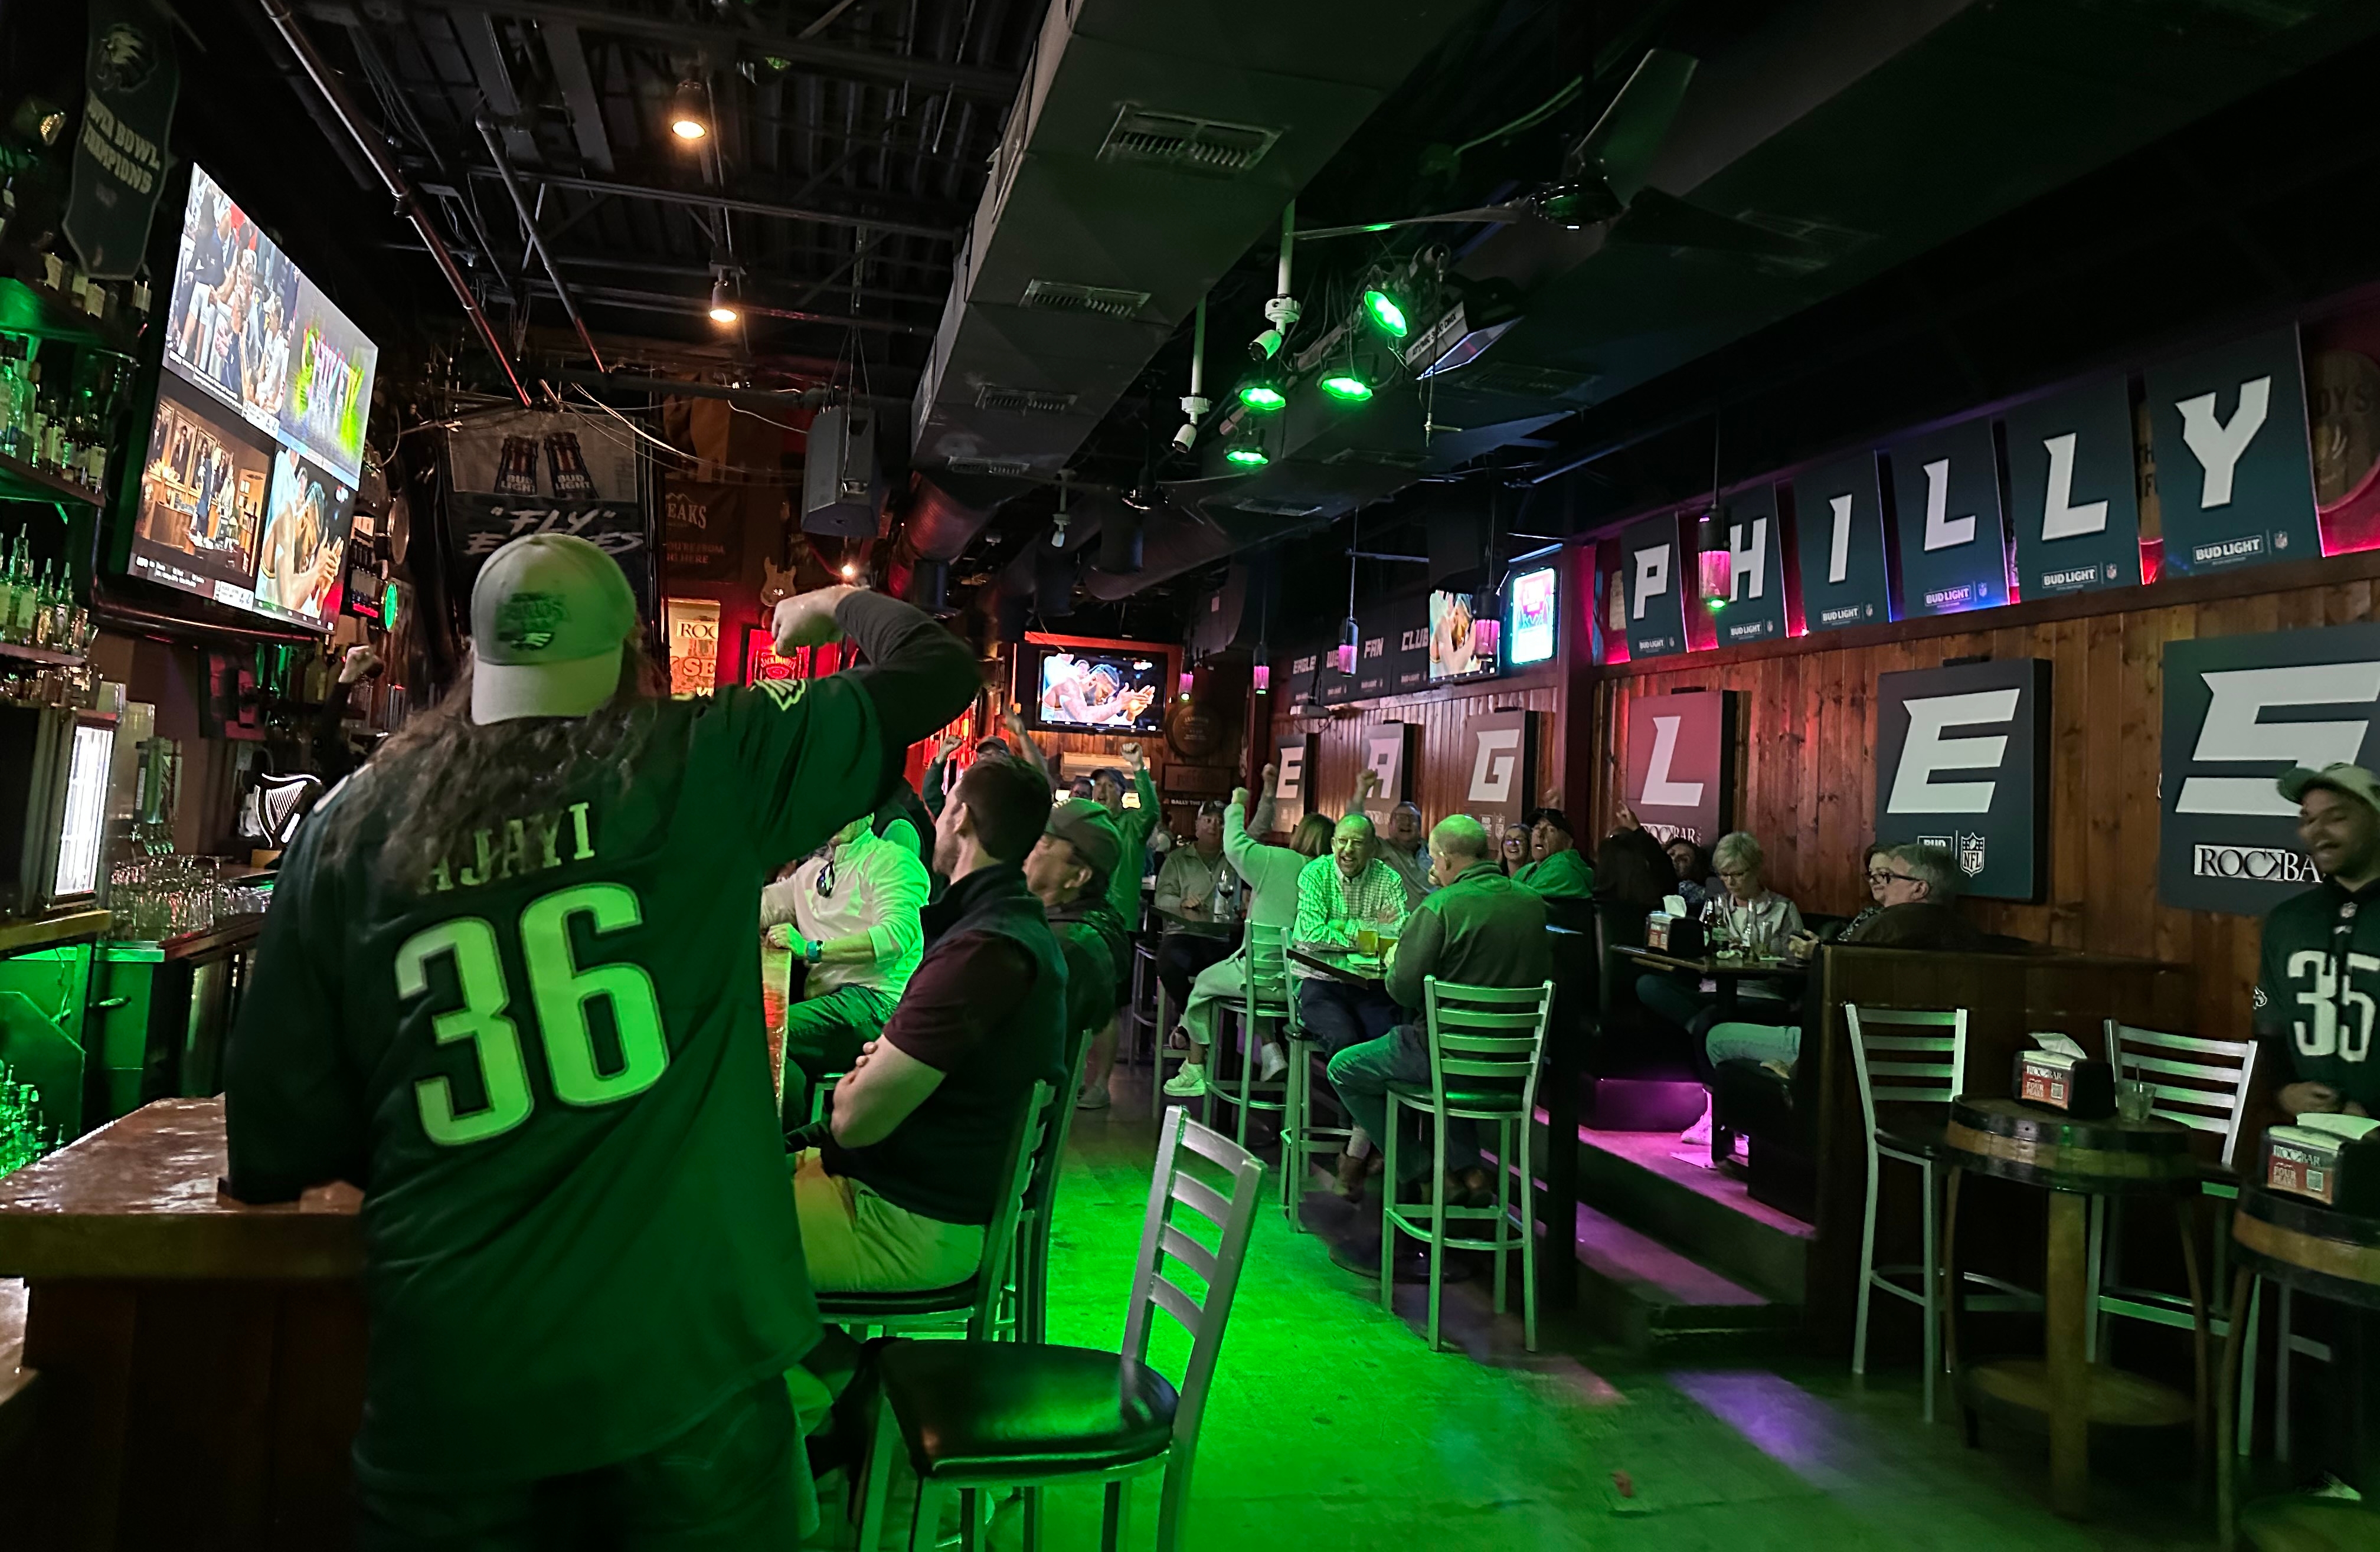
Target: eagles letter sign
x=1959, y=765
x=2238, y=710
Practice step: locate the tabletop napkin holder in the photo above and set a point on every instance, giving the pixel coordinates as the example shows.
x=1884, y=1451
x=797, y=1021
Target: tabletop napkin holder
x=2058, y=1076
x=1674, y=931
x=2332, y=1159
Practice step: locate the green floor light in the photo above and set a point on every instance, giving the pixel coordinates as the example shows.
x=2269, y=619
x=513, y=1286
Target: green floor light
x=1388, y=318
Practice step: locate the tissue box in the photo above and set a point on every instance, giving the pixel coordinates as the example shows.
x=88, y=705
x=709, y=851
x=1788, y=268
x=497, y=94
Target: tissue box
x=1682, y=936
x=2077, y=1085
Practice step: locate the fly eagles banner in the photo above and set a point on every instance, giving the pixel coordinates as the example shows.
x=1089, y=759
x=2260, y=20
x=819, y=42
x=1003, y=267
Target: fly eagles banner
x=522, y=473
x=2239, y=711
x=1960, y=763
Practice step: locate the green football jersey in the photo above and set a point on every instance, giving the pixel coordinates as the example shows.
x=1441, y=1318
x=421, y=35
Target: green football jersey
x=2318, y=988
x=546, y=1067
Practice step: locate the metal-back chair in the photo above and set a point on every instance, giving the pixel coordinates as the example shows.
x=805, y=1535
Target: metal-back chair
x=1028, y=1277
x=973, y=1306
x=1486, y=1046
x=1903, y=1057
x=1300, y=1139
x=2203, y=1085
x=1264, y=1001
x=975, y=1414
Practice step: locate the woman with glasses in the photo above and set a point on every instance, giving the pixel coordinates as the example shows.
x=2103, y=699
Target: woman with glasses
x=1875, y=872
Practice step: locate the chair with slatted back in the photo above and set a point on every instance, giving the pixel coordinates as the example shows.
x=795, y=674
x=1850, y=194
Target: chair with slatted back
x=972, y=1415
x=2203, y=1085
x=1263, y=1002
x=1486, y=1044
x=973, y=1306
x=1905, y=1058
x=1302, y=1140
x=1028, y=1311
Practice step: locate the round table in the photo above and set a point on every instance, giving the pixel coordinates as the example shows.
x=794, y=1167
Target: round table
x=2073, y=1160
x=2306, y=1246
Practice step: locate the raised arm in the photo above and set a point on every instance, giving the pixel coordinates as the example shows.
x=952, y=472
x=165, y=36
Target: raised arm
x=1026, y=749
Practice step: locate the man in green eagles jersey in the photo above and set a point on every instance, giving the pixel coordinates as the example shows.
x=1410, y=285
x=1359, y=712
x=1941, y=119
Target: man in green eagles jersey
x=2319, y=982
x=509, y=986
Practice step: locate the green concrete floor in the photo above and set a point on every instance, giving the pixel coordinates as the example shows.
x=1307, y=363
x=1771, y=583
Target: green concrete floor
x=1333, y=1427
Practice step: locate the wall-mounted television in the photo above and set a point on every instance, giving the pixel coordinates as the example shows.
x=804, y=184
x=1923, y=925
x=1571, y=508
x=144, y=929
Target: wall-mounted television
x=248, y=478
x=1462, y=642
x=1081, y=685
x=1531, y=600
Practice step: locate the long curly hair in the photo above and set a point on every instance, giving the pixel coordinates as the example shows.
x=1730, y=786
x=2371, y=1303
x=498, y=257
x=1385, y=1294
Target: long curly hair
x=442, y=776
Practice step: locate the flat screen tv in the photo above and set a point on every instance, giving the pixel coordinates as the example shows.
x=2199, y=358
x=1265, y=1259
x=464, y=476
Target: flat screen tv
x=246, y=482
x=1530, y=612
x=1084, y=686
x=1462, y=644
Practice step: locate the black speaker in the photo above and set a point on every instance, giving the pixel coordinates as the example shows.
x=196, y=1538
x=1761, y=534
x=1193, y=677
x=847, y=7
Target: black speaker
x=1119, y=541
x=1011, y=613
x=839, y=492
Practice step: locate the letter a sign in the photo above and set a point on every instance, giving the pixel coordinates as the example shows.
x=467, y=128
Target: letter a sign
x=1960, y=764
x=1680, y=764
x=2239, y=711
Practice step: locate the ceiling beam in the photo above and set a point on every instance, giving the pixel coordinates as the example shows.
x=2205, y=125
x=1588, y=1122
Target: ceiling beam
x=832, y=59
x=477, y=33
x=704, y=200
x=698, y=305
x=568, y=56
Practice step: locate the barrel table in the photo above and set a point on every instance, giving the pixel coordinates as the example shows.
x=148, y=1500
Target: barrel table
x=2073, y=1160
x=2304, y=1247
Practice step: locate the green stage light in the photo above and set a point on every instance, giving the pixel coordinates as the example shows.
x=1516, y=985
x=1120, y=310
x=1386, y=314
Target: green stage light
x=1247, y=456
x=1347, y=387
x=1262, y=396
x=1388, y=318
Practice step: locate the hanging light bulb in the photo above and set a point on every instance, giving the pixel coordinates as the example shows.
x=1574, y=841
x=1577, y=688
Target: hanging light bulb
x=722, y=304
x=1713, y=569
x=690, y=112
x=1260, y=676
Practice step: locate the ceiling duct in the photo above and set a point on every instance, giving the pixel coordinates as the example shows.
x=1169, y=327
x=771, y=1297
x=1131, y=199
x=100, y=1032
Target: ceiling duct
x=1180, y=143
x=1143, y=155
x=947, y=510
x=1108, y=301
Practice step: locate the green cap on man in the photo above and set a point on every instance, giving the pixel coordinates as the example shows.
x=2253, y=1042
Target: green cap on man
x=551, y=616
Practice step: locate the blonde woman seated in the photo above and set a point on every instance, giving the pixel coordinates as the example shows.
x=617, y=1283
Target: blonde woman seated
x=1270, y=873
x=1749, y=914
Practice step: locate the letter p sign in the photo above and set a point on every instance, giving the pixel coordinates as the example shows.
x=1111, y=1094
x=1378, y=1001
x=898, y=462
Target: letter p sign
x=1652, y=579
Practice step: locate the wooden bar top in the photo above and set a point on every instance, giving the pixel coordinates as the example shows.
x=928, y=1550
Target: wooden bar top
x=141, y=1199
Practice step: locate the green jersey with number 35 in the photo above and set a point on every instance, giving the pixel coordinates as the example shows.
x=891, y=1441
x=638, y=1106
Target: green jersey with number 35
x=2318, y=991
x=546, y=1067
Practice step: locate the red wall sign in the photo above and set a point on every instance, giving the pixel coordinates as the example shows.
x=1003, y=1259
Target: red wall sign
x=1677, y=778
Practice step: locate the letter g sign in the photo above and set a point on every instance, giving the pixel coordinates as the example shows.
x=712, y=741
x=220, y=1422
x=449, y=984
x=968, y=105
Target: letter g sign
x=1492, y=770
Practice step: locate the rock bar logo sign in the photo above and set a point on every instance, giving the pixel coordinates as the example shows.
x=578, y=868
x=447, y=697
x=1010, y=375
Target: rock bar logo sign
x=1500, y=784
x=1679, y=775
x=2239, y=710
x=1959, y=765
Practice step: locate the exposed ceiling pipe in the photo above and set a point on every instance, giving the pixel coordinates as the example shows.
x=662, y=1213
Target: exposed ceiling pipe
x=536, y=239
x=375, y=149
x=941, y=522
x=740, y=206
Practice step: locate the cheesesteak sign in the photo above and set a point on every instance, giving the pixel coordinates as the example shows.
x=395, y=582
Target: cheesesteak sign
x=1959, y=766
x=2239, y=710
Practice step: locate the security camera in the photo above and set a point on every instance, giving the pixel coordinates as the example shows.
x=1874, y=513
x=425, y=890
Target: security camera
x=1194, y=407
x=1264, y=346
x=1184, y=437
x=1282, y=312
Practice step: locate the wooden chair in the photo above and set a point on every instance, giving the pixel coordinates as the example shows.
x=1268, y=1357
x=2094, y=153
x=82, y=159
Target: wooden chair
x=1486, y=1044
x=1903, y=1057
x=973, y=1415
x=1264, y=1002
x=973, y=1306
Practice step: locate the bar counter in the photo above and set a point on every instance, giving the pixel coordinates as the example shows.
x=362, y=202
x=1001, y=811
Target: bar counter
x=201, y=1360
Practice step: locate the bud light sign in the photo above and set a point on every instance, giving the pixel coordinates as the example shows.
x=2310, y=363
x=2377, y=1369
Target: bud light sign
x=2239, y=711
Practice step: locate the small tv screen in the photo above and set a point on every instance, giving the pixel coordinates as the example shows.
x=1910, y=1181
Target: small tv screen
x=1459, y=649
x=1106, y=691
x=256, y=445
x=1529, y=616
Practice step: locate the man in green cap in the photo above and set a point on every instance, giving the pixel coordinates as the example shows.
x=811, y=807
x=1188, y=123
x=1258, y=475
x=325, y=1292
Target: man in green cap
x=2319, y=979
x=510, y=988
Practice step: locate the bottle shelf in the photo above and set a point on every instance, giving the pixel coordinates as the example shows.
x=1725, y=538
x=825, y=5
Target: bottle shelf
x=21, y=481
x=27, y=306
x=41, y=655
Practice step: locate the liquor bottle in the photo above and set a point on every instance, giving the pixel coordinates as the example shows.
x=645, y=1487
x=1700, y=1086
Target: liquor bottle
x=62, y=609
x=10, y=365
x=20, y=617
x=44, y=592
x=8, y=593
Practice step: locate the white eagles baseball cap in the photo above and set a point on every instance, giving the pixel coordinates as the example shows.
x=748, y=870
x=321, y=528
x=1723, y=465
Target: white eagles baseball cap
x=2353, y=780
x=551, y=614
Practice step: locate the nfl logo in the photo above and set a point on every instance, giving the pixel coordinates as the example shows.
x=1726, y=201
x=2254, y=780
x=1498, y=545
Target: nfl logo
x=1971, y=854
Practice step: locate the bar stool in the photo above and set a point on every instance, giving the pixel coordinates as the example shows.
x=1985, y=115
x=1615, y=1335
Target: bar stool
x=1028, y=1311
x=1264, y=1001
x=1485, y=1046
x=1300, y=1139
x=1900, y=1060
x=973, y=1308
x=2203, y=1084
x=972, y=1415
